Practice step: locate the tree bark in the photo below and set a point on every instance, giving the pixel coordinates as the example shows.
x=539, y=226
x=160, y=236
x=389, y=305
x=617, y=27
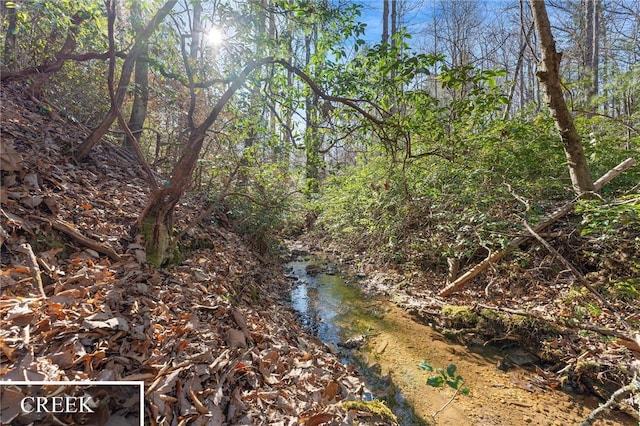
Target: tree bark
x=594, y=42
x=125, y=76
x=385, y=21
x=141, y=91
x=549, y=76
x=394, y=22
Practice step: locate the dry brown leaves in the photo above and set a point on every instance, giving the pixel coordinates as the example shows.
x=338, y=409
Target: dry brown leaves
x=211, y=338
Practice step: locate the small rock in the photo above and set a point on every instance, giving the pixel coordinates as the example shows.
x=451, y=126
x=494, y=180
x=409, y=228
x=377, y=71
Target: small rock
x=355, y=342
x=313, y=269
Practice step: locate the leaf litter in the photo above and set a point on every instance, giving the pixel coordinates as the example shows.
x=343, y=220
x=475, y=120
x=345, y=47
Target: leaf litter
x=211, y=338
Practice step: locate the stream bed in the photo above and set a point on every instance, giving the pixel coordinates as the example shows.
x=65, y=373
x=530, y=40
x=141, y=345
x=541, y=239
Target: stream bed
x=392, y=350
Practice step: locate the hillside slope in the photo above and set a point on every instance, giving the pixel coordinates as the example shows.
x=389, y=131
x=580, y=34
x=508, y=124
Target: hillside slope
x=212, y=338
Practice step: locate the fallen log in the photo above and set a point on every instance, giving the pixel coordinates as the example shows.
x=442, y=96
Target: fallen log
x=516, y=242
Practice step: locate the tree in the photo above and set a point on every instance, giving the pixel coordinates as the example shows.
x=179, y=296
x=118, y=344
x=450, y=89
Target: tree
x=592, y=46
x=156, y=221
x=549, y=76
x=125, y=76
x=312, y=138
x=50, y=65
x=10, y=42
x=385, y=21
x=141, y=87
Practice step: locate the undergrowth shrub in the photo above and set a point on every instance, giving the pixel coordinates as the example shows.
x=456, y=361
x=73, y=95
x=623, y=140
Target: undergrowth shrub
x=611, y=232
x=425, y=210
x=263, y=207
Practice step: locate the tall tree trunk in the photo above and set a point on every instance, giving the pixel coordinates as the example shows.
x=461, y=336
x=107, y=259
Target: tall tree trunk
x=512, y=90
x=125, y=76
x=140, y=98
x=549, y=76
x=394, y=21
x=311, y=136
x=394, y=40
x=385, y=21
x=196, y=29
x=593, y=42
x=141, y=92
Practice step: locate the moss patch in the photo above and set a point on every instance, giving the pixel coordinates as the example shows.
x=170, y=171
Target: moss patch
x=459, y=316
x=377, y=408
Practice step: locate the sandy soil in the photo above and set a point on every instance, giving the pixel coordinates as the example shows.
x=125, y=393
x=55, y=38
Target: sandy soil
x=496, y=397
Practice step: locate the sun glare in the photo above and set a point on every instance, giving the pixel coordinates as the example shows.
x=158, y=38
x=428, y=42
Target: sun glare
x=215, y=37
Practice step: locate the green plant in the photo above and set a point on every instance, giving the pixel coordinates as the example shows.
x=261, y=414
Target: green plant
x=445, y=375
x=626, y=289
x=608, y=218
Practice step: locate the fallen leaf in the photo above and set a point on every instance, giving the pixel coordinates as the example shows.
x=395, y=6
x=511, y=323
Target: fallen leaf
x=331, y=390
x=10, y=159
x=318, y=419
x=236, y=339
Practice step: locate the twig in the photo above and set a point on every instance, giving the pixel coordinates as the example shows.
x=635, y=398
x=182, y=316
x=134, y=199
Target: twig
x=634, y=386
x=433, y=416
x=486, y=289
x=520, y=198
x=635, y=188
x=33, y=265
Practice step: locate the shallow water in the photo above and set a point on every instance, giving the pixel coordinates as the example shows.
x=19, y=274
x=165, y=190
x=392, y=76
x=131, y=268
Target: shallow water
x=321, y=300
x=333, y=310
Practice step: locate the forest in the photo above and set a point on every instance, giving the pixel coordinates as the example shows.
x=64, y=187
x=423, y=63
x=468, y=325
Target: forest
x=470, y=163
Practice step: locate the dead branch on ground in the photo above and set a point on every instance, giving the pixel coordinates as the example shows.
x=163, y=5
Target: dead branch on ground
x=33, y=266
x=634, y=386
x=61, y=226
x=623, y=339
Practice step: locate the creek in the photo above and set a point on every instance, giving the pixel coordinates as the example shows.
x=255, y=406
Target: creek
x=335, y=311
x=390, y=349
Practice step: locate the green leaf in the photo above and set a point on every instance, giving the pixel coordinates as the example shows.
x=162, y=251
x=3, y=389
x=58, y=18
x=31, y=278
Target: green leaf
x=425, y=366
x=453, y=384
x=435, y=381
x=451, y=370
